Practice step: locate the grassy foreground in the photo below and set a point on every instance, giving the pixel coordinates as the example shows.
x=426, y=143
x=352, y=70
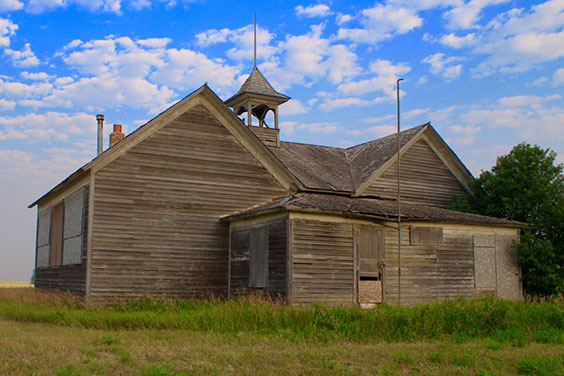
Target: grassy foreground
x=11, y=284
x=56, y=334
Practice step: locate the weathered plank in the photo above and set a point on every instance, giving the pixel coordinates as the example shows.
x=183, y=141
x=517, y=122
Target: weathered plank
x=322, y=262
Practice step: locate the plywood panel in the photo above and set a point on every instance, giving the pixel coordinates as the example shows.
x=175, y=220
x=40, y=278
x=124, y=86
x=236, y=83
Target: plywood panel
x=507, y=265
x=425, y=179
x=156, y=212
x=370, y=292
x=484, y=265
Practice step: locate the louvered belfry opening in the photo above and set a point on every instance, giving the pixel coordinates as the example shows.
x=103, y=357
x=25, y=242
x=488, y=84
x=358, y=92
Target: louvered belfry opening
x=257, y=98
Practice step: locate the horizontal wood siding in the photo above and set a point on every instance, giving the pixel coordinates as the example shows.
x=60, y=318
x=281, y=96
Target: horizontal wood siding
x=425, y=179
x=156, y=227
x=70, y=278
x=419, y=276
x=322, y=262
x=455, y=265
x=464, y=264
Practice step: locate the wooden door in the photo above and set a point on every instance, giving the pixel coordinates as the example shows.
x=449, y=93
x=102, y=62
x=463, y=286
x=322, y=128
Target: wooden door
x=370, y=265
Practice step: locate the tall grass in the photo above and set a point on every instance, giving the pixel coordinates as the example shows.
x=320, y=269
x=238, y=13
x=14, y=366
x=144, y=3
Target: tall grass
x=505, y=321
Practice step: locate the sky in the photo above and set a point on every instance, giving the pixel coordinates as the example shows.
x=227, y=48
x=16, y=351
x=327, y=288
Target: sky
x=487, y=74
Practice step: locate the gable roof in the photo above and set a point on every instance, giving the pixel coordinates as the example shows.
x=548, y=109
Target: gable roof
x=364, y=207
x=352, y=169
x=298, y=167
x=203, y=95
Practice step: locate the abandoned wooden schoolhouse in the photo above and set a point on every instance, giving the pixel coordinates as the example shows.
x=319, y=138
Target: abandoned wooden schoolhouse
x=199, y=201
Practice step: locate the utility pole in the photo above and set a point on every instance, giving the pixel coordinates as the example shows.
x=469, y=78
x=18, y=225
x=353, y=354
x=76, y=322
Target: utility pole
x=399, y=191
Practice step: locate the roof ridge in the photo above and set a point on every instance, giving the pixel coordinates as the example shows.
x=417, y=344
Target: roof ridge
x=390, y=135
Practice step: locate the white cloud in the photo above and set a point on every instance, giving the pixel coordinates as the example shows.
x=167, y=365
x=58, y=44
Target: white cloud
x=526, y=100
x=184, y=69
x=319, y=10
x=293, y=107
x=455, y=41
x=464, y=135
x=386, y=74
x=10, y=5
x=40, y=76
x=40, y=6
x=518, y=40
x=243, y=39
x=7, y=29
x=558, y=77
x=140, y=4
x=334, y=103
x=443, y=66
x=540, y=81
x=530, y=117
x=7, y=105
x=376, y=131
x=382, y=22
x=22, y=59
x=343, y=18
x=18, y=90
x=465, y=15
x=48, y=126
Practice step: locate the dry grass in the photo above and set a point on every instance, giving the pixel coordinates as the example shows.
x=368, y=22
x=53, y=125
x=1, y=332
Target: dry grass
x=40, y=349
x=39, y=297
x=12, y=284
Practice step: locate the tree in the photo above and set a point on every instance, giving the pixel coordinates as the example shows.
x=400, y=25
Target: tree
x=526, y=185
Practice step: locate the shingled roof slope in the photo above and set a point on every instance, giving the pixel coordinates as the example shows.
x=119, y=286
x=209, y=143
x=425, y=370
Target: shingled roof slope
x=366, y=158
x=337, y=169
x=372, y=208
x=258, y=84
x=317, y=167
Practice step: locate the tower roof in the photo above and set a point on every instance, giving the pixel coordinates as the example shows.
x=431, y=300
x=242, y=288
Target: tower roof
x=256, y=83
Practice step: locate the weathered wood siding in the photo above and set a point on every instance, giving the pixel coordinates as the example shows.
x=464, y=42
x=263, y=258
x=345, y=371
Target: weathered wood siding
x=156, y=210
x=70, y=278
x=425, y=179
x=322, y=262
x=470, y=262
x=419, y=277
x=276, y=250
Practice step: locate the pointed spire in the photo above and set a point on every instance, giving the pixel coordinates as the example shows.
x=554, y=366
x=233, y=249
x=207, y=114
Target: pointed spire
x=255, y=50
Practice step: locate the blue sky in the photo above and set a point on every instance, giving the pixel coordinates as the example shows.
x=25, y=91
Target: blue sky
x=487, y=74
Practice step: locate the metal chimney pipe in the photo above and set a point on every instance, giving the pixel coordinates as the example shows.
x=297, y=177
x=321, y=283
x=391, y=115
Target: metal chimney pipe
x=100, y=120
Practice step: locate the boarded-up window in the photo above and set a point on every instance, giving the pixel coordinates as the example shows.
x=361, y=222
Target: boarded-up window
x=426, y=235
x=258, y=258
x=57, y=226
x=73, y=226
x=43, y=230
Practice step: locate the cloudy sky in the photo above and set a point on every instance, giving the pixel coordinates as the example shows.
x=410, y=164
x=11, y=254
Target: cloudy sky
x=487, y=74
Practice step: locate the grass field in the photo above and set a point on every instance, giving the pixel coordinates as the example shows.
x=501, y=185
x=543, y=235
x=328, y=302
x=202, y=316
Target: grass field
x=15, y=284
x=56, y=334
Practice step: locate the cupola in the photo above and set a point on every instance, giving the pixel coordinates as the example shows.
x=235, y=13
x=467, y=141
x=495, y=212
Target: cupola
x=256, y=97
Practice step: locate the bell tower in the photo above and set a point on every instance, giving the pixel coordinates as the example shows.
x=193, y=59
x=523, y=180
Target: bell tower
x=256, y=97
